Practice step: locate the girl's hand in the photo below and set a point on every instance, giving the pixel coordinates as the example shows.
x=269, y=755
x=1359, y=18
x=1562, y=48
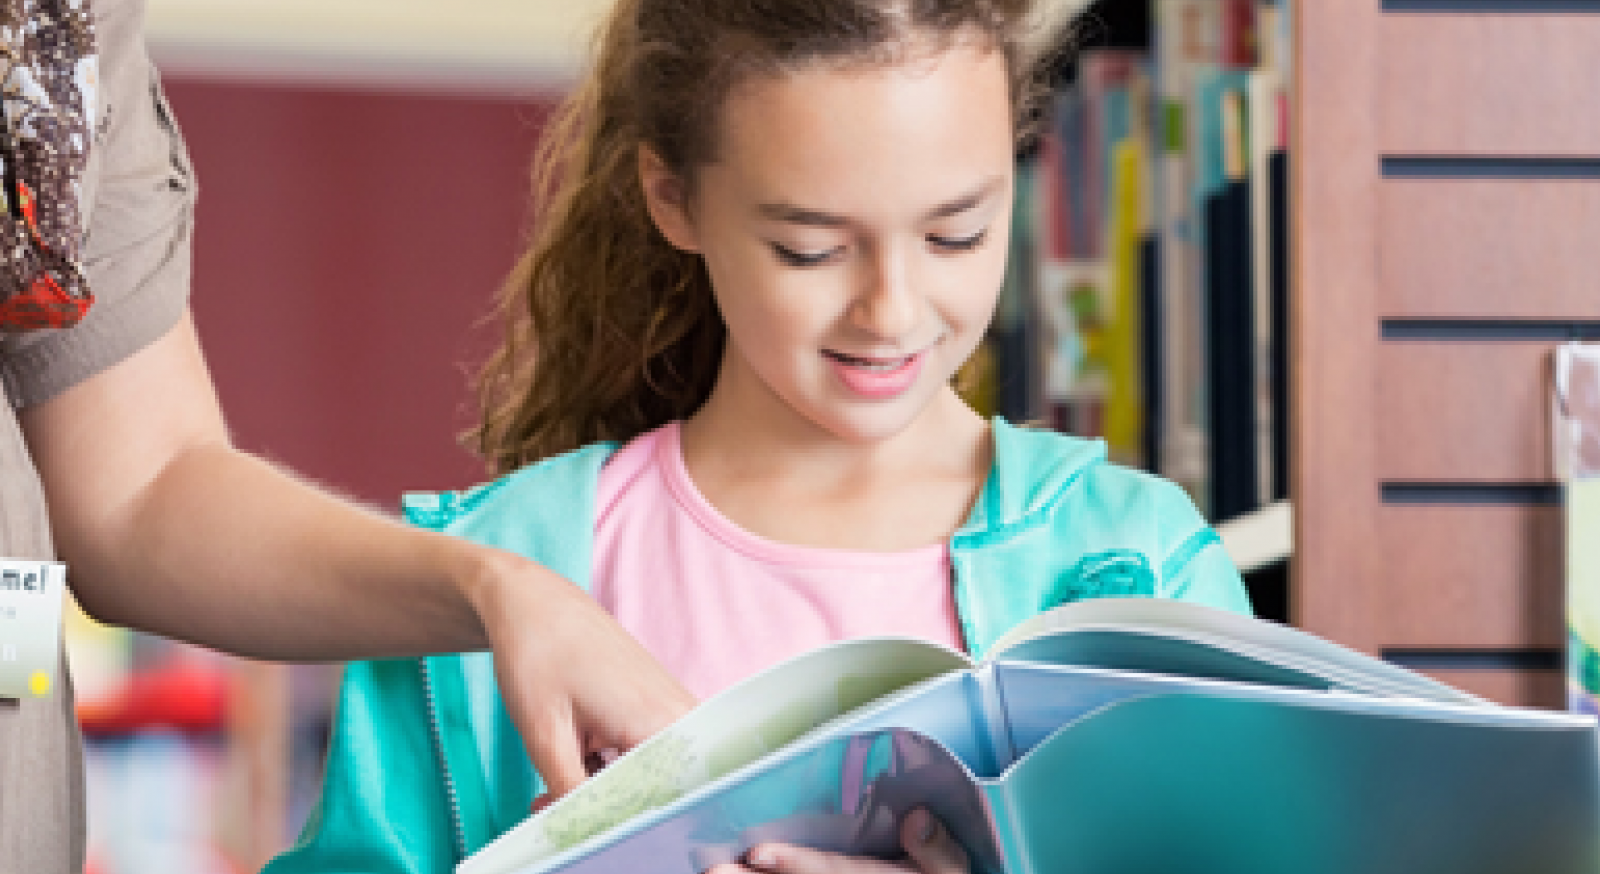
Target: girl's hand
x=574, y=682
x=929, y=845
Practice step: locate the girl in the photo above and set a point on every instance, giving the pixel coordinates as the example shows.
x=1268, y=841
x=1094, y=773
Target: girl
x=775, y=229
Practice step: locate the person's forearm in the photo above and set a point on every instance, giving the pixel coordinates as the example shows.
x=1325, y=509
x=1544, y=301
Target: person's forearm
x=223, y=549
x=166, y=528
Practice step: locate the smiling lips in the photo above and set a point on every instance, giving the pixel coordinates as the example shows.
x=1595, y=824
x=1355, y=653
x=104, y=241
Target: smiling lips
x=875, y=378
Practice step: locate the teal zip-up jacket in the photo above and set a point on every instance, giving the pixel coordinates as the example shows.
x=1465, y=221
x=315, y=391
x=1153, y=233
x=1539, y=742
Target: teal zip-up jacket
x=425, y=766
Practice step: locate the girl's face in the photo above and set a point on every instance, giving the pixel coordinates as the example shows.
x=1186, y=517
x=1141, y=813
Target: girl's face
x=854, y=225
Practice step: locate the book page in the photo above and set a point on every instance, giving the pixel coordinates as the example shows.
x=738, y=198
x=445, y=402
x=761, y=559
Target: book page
x=1044, y=700
x=1274, y=645
x=726, y=732
x=841, y=793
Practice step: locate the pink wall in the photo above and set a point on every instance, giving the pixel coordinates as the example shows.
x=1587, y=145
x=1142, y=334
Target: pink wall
x=347, y=244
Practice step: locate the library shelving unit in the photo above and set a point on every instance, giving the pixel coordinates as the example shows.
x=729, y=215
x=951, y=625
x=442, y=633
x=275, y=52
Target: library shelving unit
x=1443, y=204
x=1447, y=208
x=1147, y=298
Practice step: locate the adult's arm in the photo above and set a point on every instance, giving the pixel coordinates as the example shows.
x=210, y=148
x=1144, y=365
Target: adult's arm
x=166, y=527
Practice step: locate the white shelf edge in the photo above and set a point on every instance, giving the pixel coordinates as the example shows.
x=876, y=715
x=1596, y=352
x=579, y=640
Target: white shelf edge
x=1259, y=538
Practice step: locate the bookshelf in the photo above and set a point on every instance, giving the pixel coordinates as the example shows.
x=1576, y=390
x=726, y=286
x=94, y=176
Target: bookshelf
x=1447, y=194
x=1148, y=296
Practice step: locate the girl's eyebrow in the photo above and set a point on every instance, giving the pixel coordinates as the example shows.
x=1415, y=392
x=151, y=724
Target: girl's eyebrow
x=966, y=201
x=800, y=215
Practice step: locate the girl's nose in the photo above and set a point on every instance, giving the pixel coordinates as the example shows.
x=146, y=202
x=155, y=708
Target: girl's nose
x=886, y=303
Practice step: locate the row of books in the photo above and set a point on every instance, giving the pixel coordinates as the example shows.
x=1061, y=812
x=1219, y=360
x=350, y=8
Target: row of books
x=1147, y=302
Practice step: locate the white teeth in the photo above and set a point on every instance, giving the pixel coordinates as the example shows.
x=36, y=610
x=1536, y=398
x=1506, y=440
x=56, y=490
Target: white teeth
x=871, y=364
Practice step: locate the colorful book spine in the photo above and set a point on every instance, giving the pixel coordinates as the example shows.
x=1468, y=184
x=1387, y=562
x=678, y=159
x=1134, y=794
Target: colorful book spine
x=1147, y=153
x=1124, y=403
x=1185, y=39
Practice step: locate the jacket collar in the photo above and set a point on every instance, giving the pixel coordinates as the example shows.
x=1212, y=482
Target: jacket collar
x=1032, y=469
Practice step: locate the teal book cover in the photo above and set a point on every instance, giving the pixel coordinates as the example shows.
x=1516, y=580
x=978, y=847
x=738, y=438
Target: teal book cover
x=1112, y=735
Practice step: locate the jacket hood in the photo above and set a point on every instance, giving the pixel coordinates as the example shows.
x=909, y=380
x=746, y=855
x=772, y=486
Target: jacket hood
x=1032, y=468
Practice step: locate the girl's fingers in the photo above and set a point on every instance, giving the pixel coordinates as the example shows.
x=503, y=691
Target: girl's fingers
x=787, y=859
x=553, y=745
x=925, y=840
x=930, y=845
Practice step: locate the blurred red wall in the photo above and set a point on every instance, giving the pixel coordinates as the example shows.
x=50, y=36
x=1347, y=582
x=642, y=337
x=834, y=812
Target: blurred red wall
x=348, y=243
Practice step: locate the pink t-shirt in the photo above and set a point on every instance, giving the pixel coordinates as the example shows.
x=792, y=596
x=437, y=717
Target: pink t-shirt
x=716, y=603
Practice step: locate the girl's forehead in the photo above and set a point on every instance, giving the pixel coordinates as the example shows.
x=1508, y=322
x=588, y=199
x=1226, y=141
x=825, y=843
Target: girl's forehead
x=939, y=71
x=853, y=122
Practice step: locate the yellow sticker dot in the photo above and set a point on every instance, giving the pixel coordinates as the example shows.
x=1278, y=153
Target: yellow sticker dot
x=39, y=683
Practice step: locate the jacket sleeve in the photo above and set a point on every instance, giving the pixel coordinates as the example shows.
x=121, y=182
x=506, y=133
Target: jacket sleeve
x=1194, y=566
x=383, y=808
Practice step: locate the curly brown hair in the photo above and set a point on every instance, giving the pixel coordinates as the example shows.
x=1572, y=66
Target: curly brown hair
x=610, y=330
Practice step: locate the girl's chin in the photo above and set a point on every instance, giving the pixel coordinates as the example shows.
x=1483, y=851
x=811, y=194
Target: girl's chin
x=873, y=421
x=819, y=400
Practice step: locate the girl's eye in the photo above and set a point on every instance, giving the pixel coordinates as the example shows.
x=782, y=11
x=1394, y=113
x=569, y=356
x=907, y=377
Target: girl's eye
x=959, y=244
x=803, y=259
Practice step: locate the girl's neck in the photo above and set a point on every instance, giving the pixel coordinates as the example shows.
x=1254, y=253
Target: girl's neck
x=765, y=438
x=776, y=473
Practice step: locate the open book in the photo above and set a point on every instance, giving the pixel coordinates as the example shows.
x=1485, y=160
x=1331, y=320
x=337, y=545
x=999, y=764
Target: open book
x=1108, y=735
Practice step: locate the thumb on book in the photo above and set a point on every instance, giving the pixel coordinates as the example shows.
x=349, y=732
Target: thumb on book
x=930, y=845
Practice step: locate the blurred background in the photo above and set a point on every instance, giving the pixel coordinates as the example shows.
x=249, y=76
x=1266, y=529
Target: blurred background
x=363, y=172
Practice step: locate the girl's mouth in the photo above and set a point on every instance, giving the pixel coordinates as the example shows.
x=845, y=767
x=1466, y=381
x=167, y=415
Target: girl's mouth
x=875, y=378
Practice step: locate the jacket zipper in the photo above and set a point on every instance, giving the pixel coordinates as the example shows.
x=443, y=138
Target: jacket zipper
x=444, y=763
